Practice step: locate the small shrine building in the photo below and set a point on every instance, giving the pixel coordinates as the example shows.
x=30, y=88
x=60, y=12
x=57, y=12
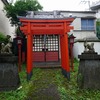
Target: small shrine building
x=47, y=38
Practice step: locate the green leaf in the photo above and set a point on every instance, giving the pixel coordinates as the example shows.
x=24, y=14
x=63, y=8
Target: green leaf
x=19, y=8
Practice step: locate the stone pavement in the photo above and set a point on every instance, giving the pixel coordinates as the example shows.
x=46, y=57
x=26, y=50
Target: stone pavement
x=44, y=87
x=48, y=93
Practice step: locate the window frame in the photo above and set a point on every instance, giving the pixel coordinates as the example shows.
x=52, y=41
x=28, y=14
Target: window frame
x=89, y=24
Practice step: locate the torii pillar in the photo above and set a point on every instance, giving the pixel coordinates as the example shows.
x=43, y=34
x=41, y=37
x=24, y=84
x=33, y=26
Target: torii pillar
x=29, y=52
x=29, y=56
x=64, y=52
x=60, y=27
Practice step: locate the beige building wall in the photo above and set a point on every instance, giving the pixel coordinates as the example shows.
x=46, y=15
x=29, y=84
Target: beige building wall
x=77, y=24
x=79, y=48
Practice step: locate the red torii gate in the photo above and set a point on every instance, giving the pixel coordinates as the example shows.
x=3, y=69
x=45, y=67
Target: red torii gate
x=60, y=26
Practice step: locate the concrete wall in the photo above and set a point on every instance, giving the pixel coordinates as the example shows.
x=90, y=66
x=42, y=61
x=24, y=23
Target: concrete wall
x=77, y=24
x=84, y=34
x=98, y=13
x=5, y=26
x=80, y=34
x=78, y=13
x=79, y=48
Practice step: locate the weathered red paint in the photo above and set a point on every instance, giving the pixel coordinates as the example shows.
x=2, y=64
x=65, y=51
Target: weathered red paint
x=52, y=56
x=23, y=57
x=29, y=53
x=19, y=42
x=45, y=56
x=32, y=27
x=19, y=58
x=29, y=49
x=45, y=26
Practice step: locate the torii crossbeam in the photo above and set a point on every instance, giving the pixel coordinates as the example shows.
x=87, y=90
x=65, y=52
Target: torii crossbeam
x=32, y=25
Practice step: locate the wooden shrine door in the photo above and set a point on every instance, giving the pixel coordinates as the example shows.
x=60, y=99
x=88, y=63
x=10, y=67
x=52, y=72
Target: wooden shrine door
x=45, y=48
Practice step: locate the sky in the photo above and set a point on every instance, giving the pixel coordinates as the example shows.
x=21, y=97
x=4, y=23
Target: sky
x=72, y=5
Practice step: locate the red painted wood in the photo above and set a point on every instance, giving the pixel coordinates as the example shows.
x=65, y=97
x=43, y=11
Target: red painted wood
x=46, y=26
x=46, y=31
x=25, y=20
x=65, y=52
x=50, y=26
x=45, y=56
x=23, y=56
x=38, y=56
x=24, y=28
x=52, y=56
x=19, y=57
x=29, y=53
x=62, y=50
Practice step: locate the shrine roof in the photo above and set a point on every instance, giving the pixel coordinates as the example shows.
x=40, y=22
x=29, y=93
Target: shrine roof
x=44, y=15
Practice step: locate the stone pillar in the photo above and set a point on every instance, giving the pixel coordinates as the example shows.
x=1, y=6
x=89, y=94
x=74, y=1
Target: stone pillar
x=9, y=78
x=89, y=71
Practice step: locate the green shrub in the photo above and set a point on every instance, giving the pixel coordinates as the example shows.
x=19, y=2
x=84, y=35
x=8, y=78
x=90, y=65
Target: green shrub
x=2, y=37
x=76, y=60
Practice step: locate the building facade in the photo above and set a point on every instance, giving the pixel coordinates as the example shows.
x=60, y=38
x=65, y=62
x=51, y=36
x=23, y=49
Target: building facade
x=5, y=26
x=96, y=7
x=84, y=28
